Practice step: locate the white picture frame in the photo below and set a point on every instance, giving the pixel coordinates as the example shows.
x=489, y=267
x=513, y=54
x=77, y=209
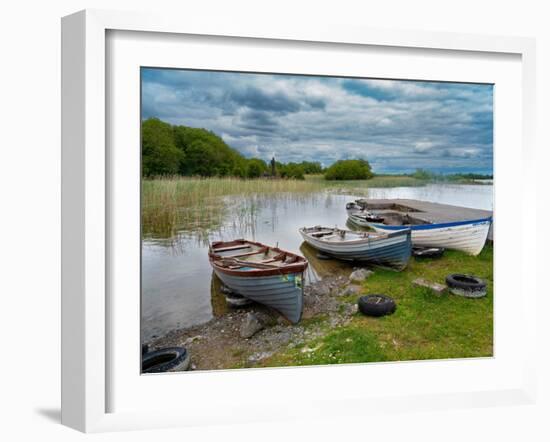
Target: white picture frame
x=87, y=203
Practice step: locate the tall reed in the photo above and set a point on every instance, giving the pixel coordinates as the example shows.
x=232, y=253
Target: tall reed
x=175, y=204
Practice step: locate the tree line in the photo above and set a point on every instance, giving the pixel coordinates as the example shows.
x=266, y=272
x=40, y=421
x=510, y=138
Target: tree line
x=180, y=150
x=426, y=175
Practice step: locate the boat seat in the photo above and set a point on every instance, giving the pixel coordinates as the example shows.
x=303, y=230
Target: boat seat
x=322, y=233
x=237, y=247
x=241, y=255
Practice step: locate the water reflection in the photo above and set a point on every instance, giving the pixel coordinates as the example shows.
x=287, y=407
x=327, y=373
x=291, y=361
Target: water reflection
x=178, y=289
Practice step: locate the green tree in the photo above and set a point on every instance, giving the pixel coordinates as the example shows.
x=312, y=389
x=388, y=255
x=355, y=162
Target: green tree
x=423, y=174
x=292, y=170
x=311, y=168
x=255, y=168
x=159, y=154
x=349, y=170
x=207, y=154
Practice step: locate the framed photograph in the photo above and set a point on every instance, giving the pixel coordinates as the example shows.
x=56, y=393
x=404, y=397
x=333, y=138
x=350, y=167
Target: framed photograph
x=250, y=213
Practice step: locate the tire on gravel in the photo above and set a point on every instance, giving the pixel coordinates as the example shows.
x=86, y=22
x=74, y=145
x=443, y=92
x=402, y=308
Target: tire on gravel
x=166, y=359
x=235, y=301
x=376, y=305
x=466, y=285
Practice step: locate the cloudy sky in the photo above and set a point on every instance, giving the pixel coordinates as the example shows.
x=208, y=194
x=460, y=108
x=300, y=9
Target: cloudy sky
x=398, y=126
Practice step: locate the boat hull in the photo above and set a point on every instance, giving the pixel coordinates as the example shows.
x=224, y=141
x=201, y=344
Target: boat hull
x=283, y=293
x=393, y=251
x=357, y=220
x=465, y=236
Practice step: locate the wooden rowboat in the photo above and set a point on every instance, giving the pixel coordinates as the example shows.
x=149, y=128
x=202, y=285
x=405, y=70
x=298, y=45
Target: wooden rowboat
x=387, y=249
x=267, y=275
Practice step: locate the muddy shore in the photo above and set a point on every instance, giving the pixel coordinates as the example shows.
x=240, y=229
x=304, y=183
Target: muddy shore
x=219, y=343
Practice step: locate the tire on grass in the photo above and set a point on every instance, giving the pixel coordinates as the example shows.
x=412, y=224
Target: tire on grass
x=376, y=305
x=466, y=285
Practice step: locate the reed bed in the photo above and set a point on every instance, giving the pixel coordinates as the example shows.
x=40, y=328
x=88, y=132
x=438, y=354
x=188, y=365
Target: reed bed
x=193, y=204
x=177, y=204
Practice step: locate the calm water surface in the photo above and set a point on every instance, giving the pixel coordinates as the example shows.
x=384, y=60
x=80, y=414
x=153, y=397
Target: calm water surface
x=178, y=289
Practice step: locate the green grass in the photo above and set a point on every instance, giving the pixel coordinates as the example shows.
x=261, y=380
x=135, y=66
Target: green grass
x=376, y=181
x=425, y=325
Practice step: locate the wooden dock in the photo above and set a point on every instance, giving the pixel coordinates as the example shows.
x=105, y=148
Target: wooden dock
x=427, y=211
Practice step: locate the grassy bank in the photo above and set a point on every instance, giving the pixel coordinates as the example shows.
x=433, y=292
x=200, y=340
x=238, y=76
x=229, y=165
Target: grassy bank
x=192, y=203
x=425, y=325
x=376, y=181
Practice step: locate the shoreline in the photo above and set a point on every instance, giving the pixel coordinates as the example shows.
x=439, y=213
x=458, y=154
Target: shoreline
x=426, y=325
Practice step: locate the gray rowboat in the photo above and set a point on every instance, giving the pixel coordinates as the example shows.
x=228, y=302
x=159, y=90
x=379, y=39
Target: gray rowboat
x=386, y=249
x=267, y=275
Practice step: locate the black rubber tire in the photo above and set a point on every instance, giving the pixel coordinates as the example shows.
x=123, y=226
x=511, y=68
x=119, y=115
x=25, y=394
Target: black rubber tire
x=225, y=290
x=428, y=252
x=376, y=305
x=375, y=219
x=234, y=300
x=166, y=359
x=465, y=282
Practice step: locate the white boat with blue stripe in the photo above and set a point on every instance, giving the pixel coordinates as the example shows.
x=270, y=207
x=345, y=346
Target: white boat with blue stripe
x=391, y=249
x=468, y=236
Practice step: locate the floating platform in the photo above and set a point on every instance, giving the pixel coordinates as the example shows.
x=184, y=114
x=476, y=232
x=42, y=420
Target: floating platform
x=425, y=211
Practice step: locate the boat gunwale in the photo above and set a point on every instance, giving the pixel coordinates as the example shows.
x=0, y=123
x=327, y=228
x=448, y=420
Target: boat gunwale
x=372, y=236
x=291, y=268
x=431, y=226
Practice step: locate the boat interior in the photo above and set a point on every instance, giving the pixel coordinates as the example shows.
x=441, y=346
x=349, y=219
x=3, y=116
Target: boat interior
x=253, y=255
x=394, y=218
x=339, y=235
x=392, y=214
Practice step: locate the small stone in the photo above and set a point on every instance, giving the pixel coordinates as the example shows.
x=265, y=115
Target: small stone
x=321, y=289
x=192, y=339
x=259, y=356
x=250, y=326
x=351, y=289
x=436, y=287
x=349, y=309
x=360, y=274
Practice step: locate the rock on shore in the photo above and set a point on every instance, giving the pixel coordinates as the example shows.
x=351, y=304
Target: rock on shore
x=360, y=275
x=250, y=326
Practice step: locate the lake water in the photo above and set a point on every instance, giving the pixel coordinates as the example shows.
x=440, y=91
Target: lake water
x=178, y=289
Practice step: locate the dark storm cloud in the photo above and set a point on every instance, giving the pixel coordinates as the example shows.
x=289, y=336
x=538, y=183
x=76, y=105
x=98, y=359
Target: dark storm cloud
x=397, y=125
x=255, y=98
